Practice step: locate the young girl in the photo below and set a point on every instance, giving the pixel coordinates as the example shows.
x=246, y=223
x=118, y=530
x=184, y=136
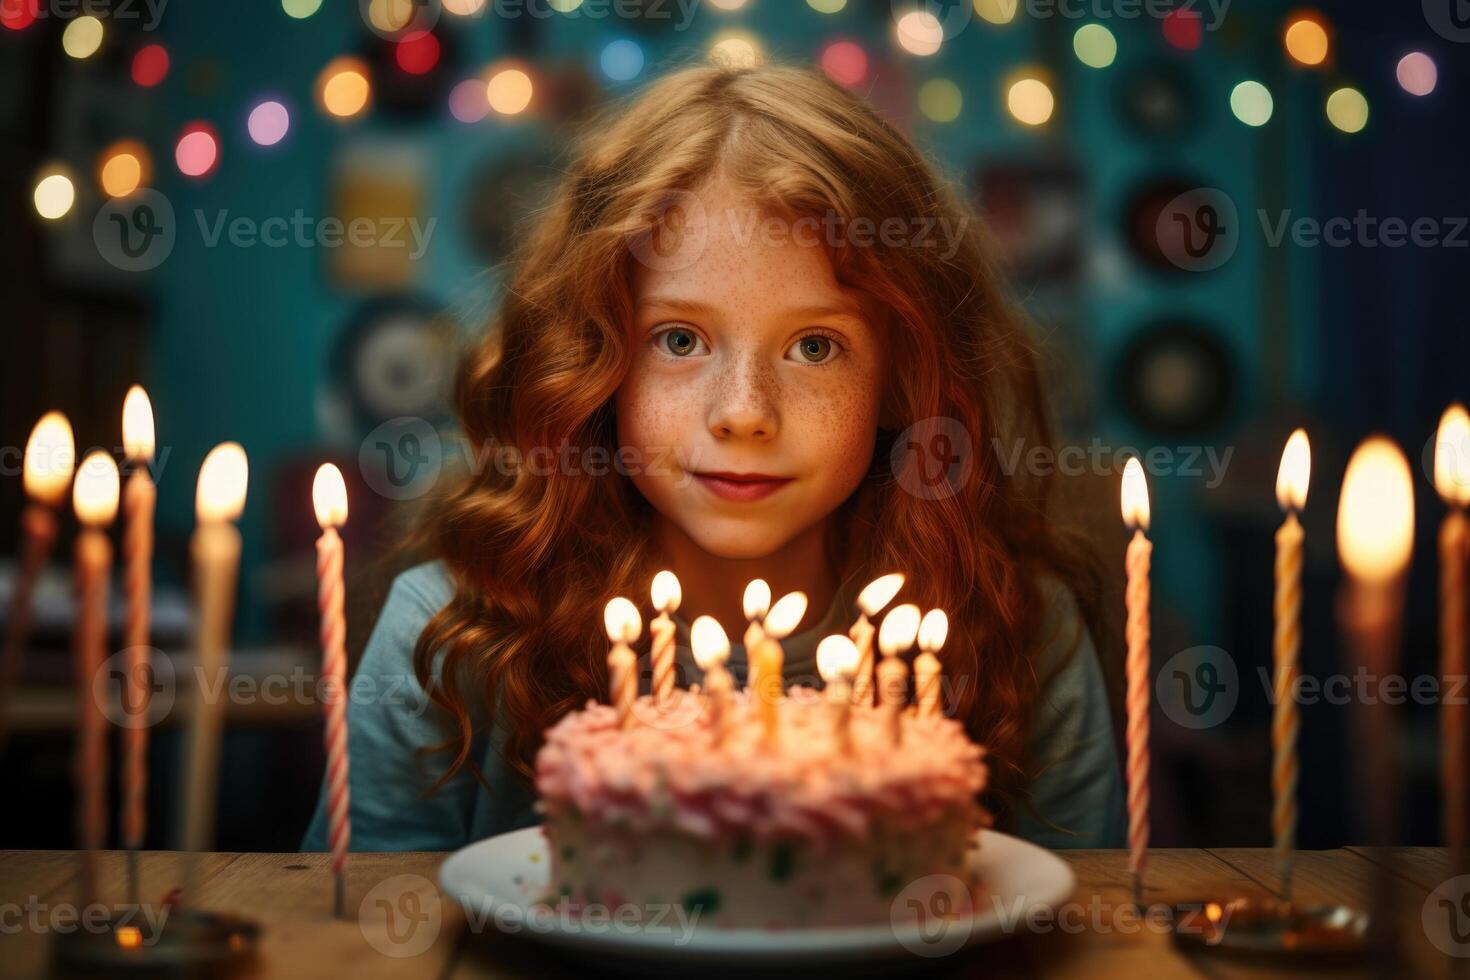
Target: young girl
x=753, y=335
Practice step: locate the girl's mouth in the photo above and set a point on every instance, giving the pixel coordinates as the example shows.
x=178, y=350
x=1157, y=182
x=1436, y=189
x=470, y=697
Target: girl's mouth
x=741, y=486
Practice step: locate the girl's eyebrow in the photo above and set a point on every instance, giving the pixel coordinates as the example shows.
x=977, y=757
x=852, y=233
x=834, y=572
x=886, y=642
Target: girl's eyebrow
x=695, y=307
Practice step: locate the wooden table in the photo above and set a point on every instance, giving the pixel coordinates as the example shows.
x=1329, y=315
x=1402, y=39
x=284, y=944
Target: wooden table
x=290, y=895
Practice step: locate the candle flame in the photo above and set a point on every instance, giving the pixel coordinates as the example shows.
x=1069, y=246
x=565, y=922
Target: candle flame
x=1375, y=516
x=757, y=599
x=223, y=478
x=785, y=615
x=837, y=657
x=879, y=593
x=710, y=644
x=138, y=437
x=621, y=620
x=1452, y=456
x=51, y=455
x=329, y=496
x=1295, y=473
x=933, y=630
x=94, y=495
x=899, y=628
x=666, y=591
x=1135, y=495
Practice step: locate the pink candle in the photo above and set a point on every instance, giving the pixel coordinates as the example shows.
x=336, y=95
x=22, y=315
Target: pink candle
x=49, y=459
x=329, y=495
x=139, y=498
x=1140, y=551
x=95, y=499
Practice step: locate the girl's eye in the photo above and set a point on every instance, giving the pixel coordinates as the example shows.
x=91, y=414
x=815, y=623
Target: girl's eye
x=679, y=341
x=815, y=349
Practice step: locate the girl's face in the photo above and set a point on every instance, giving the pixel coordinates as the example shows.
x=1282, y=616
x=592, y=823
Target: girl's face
x=752, y=403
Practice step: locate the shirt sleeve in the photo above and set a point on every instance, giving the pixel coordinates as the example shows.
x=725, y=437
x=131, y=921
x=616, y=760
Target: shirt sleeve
x=389, y=717
x=1076, y=795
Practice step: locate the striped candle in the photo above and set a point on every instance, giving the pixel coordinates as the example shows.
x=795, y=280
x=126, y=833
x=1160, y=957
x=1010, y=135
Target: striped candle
x=1452, y=481
x=139, y=498
x=1140, y=551
x=1291, y=492
x=623, y=624
x=329, y=496
x=666, y=595
x=875, y=595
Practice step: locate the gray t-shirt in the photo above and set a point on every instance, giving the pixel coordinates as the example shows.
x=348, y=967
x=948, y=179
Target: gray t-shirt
x=1076, y=796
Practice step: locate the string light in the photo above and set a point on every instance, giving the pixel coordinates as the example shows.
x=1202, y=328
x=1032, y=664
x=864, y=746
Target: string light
x=826, y=6
x=1095, y=45
x=150, y=65
x=1347, y=109
x=417, y=53
x=82, y=37
x=468, y=102
x=940, y=100
x=300, y=9
x=54, y=195
x=621, y=60
x=268, y=123
x=919, y=33
x=1417, y=73
x=1251, y=102
x=997, y=11
x=463, y=8
x=1306, y=40
x=509, y=91
x=727, y=4
x=125, y=166
x=197, y=151
x=845, y=63
x=1184, y=29
x=735, y=51
x=1030, y=101
x=17, y=15
x=343, y=89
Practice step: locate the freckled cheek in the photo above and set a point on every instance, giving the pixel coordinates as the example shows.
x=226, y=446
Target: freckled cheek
x=655, y=410
x=837, y=431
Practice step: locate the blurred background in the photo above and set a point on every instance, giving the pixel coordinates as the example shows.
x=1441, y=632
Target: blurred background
x=181, y=180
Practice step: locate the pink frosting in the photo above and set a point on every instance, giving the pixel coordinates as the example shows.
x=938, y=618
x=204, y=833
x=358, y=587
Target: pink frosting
x=651, y=777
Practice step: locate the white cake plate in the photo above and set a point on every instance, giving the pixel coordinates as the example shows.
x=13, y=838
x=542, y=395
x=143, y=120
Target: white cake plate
x=497, y=882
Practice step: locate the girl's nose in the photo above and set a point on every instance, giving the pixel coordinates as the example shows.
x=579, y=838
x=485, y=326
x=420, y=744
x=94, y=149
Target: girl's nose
x=745, y=403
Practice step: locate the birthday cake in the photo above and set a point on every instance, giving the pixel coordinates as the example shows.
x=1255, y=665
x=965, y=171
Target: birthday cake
x=824, y=826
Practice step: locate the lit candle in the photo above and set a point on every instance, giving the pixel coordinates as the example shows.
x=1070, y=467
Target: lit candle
x=329, y=499
x=1291, y=493
x=1452, y=480
x=769, y=661
x=933, y=631
x=623, y=625
x=1375, y=537
x=897, y=633
x=711, y=649
x=666, y=597
x=1140, y=551
x=215, y=551
x=837, y=660
x=875, y=595
x=756, y=602
x=95, y=499
x=46, y=473
x=139, y=497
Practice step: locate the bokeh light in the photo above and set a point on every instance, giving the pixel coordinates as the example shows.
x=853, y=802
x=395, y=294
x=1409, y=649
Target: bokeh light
x=845, y=62
x=727, y=4
x=509, y=91
x=919, y=32
x=468, y=102
x=1417, y=73
x=735, y=51
x=621, y=60
x=997, y=11
x=17, y=15
x=124, y=167
x=197, y=151
x=564, y=6
x=150, y=65
x=82, y=37
x=1184, y=29
x=392, y=16
x=826, y=6
x=1030, y=101
x=463, y=8
x=300, y=9
x=1347, y=109
x=940, y=100
x=417, y=53
x=268, y=123
x=1306, y=40
x=342, y=87
x=54, y=195
x=1252, y=103
x=1095, y=45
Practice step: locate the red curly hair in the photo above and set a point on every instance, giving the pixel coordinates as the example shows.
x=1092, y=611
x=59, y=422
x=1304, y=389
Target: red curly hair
x=535, y=555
